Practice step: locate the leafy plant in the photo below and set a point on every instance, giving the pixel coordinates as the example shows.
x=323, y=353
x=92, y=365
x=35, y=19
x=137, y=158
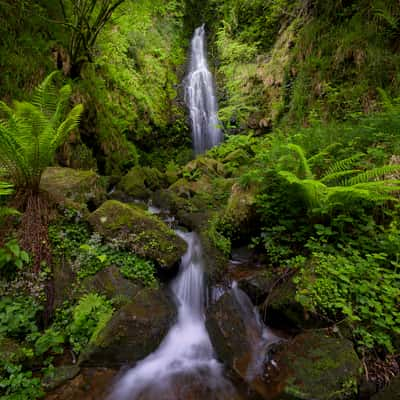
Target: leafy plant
x=32, y=132
x=89, y=317
x=12, y=258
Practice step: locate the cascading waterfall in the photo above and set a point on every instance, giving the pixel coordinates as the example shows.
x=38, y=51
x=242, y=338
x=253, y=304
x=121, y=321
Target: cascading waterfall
x=186, y=351
x=200, y=97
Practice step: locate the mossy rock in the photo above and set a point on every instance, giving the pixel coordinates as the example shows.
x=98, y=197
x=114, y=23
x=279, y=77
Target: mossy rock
x=285, y=312
x=73, y=187
x=391, y=392
x=63, y=279
x=238, y=156
x=316, y=366
x=203, y=166
x=240, y=216
x=110, y=283
x=140, y=182
x=60, y=375
x=143, y=233
x=133, y=332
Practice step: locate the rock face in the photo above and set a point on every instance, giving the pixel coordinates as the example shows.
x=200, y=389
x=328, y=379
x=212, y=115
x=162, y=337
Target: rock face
x=144, y=234
x=133, y=332
x=316, y=366
x=73, y=187
x=257, y=285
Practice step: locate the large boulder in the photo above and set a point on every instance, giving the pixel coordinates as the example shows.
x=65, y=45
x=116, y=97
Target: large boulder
x=140, y=182
x=257, y=284
x=73, y=187
x=239, y=340
x=316, y=366
x=143, y=233
x=133, y=332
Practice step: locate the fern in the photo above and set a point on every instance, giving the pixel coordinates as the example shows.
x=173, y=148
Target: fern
x=345, y=164
x=304, y=167
x=32, y=132
x=322, y=154
x=336, y=177
x=372, y=174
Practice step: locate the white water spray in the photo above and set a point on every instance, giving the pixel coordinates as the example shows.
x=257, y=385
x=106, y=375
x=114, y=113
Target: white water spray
x=187, y=349
x=200, y=97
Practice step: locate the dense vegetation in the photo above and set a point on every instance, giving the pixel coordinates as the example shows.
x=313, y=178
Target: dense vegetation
x=309, y=95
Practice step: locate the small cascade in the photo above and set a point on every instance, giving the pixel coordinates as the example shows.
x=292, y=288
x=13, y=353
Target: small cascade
x=186, y=353
x=200, y=97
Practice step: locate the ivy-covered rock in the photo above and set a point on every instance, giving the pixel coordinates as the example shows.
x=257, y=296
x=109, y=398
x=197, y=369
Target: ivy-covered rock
x=316, y=366
x=73, y=187
x=140, y=182
x=60, y=375
x=133, y=332
x=144, y=234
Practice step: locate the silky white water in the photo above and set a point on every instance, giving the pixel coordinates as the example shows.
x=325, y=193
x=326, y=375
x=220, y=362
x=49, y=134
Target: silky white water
x=200, y=97
x=187, y=349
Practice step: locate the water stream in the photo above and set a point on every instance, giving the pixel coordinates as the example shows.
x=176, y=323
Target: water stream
x=200, y=97
x=186, y=354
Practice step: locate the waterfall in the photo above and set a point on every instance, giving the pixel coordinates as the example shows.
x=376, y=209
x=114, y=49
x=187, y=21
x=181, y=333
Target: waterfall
x=186, y=351
x=200, y=97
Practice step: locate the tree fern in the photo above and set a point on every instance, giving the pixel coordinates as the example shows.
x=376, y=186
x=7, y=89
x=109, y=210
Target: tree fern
x=32, y=132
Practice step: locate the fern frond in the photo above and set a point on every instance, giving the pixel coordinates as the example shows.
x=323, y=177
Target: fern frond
x=336, y=176
x=343, y=165
x=63, y=99
x=383, y=186
x=46, y=96
x=70, y=123
x=349, y=194
x=5, y=188
x=304, y=169
x=322, y=154
x=374, y=173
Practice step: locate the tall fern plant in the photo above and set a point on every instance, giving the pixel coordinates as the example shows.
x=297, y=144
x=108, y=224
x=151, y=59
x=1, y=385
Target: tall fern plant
x=30, y=133
x=341, y=184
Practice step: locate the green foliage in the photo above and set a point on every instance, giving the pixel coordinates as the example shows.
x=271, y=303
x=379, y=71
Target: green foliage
x=217, y=237
x=18, y=317
x=12, y=258
x=32, y=132
x=363, y=289
x=89, y=317
x=16, y=384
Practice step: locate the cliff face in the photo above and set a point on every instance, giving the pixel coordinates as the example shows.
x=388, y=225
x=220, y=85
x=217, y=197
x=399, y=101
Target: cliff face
x=289, y=62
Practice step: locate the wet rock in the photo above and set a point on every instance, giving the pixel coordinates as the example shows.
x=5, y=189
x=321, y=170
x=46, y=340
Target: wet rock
x=111, y=283
x=257, y=285
x=236, y=336
x=72, y=187
x=139, y=182
x=392, y=392
x=143, y=233
x=285, y=312
x=90, y=384
x=316, y=366
x=60, y=375
x=133, y=332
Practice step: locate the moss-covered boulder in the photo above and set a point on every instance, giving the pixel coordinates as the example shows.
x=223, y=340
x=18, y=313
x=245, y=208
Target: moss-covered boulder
x=316, y=366
x=239, y=216
x=143, y=233
x=133, y=332
x=392, y=392
x=110, y=282
x=203, y=166
x=140, y=182
x=73, y=187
